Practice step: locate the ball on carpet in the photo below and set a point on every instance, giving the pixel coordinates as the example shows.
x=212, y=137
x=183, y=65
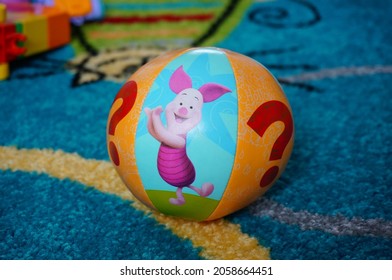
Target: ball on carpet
x=200, y=133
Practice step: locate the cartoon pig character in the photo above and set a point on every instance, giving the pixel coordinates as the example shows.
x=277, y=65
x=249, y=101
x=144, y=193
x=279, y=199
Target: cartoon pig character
x=183, y=113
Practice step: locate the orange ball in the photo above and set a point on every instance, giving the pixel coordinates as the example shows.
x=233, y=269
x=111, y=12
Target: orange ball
x=200, y=133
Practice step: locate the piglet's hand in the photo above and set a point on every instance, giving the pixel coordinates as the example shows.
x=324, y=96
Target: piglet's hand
x=158, y=110
x=148, y=112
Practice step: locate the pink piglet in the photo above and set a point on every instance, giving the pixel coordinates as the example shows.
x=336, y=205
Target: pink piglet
x=183, y=113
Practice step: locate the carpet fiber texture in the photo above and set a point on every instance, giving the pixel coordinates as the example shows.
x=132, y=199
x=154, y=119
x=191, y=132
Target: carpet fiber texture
x=60, y=197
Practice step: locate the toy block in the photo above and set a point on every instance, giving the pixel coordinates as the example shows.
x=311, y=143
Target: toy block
x=27, y=29
x=58, y=28
x=79, y=11
x=2, y=13
x=35, y=29
x=74, y=8
x=9, y=49
x=9, y=39
x=4, y=71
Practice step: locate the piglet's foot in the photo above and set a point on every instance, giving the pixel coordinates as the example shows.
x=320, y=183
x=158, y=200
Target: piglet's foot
x=177, y=201
x=180, y=200
x=205, y=190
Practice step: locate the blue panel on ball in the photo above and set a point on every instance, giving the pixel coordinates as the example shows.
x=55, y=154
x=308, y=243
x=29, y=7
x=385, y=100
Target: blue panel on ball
x=187, y=131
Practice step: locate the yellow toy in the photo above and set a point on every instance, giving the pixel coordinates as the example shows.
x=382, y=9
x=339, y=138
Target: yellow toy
x=75, y=8
x=79, y=11
x=200, y=133
x=27, y=29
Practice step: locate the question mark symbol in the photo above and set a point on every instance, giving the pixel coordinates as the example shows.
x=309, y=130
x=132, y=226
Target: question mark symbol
x=128, y=95
x=265, y=115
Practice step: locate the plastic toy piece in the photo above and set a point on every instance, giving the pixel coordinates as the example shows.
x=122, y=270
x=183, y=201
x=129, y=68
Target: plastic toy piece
x=9, y=40
x=4, y=71
x=96, y=13
x=79, y=10
x=74, y=8
x=27, y=29
x=3, y=66
x=2, y=13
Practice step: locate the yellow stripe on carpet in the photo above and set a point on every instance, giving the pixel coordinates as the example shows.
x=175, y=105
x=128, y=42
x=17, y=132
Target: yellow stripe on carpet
x=218, y=239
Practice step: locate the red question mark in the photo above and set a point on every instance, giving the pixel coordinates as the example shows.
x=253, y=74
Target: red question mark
x=128, y=95
x=265, y=115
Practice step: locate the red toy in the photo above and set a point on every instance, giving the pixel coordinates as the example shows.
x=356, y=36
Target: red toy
x=27, y=29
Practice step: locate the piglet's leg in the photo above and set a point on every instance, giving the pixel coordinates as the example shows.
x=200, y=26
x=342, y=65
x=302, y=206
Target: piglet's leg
x=180, y=200
x=205, y=190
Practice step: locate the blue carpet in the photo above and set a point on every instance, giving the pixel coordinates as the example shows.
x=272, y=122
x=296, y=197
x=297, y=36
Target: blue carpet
x=41, y=219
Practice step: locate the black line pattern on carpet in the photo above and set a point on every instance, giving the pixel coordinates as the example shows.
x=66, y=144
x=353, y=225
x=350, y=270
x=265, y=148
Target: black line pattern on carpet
x=304, y=86
x=128, y=59
x=82, y=69
x=40, y=67
x=277, y=14
x=332, y=224
x=215, y=26
x=78, y=34
x=306, y=67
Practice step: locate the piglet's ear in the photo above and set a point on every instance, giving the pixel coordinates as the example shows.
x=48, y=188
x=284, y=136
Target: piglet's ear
x=180, y=80
x=212, y=91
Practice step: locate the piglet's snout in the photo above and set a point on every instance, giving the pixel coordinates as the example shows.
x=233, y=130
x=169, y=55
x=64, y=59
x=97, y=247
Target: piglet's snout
x=183, y=111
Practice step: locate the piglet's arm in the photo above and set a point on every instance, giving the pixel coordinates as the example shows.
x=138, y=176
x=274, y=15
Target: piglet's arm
x=162, y=134
x=150, y=126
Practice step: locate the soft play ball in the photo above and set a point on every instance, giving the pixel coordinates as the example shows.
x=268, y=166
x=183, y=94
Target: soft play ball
x=200, y=133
